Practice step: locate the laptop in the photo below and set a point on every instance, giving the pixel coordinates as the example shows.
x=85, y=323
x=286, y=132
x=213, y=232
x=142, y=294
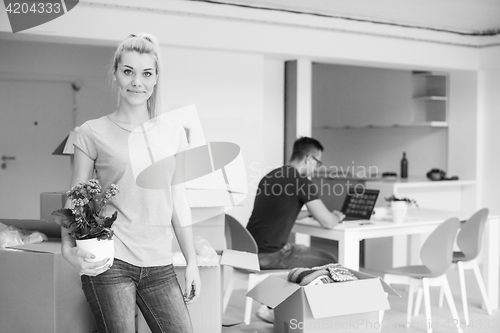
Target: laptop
x=359, y=204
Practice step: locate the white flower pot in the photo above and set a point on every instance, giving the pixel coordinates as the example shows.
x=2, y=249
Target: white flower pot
x=101, y=249
x=399, y=210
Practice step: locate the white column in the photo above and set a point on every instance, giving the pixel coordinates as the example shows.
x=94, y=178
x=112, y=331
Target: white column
x=304, y=98
x=298, y=111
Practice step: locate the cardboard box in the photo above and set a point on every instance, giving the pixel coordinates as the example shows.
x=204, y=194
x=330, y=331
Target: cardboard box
x=45, y=293
x=341, y=307
x=48, y=227
x=41, y=292
x=49, y=202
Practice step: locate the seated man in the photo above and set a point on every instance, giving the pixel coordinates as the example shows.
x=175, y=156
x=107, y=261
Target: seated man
x=278, y=202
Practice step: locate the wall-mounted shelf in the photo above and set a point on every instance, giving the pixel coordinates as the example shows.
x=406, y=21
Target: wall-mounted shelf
x=430, y=96
x=429, y=73
x=439, y=124
x=430, y=124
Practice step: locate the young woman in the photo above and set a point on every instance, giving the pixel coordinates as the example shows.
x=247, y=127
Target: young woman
x=142, y=272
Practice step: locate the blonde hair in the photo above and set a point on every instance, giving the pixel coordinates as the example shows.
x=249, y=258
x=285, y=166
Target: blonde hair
x=143, y=43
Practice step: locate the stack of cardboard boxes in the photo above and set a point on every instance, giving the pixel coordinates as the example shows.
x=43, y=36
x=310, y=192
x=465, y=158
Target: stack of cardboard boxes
x=40, y=291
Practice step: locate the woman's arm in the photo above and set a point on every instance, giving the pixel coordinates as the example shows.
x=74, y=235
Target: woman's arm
x=83, y=168
x=181, y=222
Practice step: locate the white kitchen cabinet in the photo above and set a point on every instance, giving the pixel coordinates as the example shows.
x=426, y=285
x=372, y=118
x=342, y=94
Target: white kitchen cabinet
x=430, y=98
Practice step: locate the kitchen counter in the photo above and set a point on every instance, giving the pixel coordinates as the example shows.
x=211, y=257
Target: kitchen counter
x=453, y=195
x=409, y=182
x=423, y=182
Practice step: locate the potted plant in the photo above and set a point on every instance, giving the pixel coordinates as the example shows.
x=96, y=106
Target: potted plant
x=399, y=207
x=86, y=220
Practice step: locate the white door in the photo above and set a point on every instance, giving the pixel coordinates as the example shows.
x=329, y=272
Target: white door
x=35, y=117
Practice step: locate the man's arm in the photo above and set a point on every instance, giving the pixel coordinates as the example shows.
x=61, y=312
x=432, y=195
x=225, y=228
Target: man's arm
x=326, y=218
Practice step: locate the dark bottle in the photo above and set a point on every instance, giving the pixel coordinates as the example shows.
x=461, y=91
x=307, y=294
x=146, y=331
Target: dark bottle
x=404, y=166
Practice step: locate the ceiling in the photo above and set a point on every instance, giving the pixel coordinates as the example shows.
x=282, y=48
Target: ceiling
x=464, y=17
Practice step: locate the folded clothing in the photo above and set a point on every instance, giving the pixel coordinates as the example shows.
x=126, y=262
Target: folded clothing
x=304, y=276
x=320, y=275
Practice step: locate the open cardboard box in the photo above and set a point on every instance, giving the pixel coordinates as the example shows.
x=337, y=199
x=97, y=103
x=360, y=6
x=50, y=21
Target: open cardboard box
x=41, y=292
x=351, y=306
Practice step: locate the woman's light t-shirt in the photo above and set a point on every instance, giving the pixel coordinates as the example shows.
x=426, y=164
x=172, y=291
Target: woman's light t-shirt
x=143, y=229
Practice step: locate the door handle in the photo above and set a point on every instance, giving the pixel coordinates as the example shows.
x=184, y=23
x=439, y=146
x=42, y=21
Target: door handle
x=6, y=158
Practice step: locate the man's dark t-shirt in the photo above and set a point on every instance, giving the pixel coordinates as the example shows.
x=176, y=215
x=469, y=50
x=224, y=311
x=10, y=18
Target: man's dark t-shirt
x=279, y=199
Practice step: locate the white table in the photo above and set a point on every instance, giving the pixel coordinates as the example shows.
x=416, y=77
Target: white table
x=419, y=223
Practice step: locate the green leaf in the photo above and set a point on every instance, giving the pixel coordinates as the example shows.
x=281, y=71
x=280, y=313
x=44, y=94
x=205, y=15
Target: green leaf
x=107, y=221
x=64, y=217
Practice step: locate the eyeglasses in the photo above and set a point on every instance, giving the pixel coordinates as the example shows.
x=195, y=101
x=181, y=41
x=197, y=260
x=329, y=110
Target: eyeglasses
x=318, y=162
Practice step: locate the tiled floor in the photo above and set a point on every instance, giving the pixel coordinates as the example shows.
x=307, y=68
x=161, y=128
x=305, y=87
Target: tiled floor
x=395, y=317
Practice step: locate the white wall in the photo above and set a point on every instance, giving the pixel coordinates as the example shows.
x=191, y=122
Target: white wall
x=489, y=137
x=488, y=162
x=274, y=130
x=360, y=96
x=230, y=90
x=463, y=125
x=381, y=149
x=34, y=67
x=85, y=65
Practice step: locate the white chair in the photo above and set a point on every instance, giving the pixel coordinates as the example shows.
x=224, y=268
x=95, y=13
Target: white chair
x=436, y=255
x=469, y=241
x=239, y=238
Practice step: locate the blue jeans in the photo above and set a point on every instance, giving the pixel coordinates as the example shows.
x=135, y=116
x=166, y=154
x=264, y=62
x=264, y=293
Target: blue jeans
x=295, y=255
x=112, y=297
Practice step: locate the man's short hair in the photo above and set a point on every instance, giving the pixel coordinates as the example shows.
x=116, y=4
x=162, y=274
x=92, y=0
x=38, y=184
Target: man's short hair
x=304, y=146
